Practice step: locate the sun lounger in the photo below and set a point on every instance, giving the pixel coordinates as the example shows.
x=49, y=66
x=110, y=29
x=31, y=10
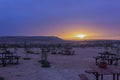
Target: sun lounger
x=83, y=77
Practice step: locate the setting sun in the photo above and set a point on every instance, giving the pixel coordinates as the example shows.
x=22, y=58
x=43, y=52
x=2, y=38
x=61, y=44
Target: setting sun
x=81, y=36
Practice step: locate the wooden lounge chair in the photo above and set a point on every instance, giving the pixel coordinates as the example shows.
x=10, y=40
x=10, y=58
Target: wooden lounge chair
x=90, y=71
x=83, y=77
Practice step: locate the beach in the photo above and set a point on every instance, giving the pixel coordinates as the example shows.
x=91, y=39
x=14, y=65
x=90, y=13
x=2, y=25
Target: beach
x=63, y=67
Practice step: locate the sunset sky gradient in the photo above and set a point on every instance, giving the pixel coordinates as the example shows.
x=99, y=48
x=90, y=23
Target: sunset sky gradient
x=98, y=19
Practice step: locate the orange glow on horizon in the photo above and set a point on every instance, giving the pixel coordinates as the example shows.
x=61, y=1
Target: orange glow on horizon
x=81, y=36
x=76, y=36
x=70, y=32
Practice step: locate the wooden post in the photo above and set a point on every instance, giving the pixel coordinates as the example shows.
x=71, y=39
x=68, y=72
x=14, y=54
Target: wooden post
x=26, y=52
x=44, y=57
x=118, y=49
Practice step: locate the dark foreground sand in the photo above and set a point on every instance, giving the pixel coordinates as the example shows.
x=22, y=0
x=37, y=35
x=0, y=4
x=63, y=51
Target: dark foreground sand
x=63, y=67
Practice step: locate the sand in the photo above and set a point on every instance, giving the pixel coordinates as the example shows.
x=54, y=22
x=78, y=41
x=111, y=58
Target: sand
x=63, y=67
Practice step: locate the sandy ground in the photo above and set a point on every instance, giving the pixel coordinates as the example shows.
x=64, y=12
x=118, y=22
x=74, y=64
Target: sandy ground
x=63, y=67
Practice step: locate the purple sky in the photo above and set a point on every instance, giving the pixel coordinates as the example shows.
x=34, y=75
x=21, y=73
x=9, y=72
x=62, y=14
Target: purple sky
x=60, y=17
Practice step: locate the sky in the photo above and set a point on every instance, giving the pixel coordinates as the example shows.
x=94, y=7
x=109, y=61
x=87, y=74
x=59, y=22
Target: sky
x=98, y=19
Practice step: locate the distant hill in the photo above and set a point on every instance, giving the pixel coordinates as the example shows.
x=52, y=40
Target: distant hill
x=30, y=38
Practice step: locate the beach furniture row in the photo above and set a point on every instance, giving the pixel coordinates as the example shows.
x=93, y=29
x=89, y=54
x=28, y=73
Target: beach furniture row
x=8, y=58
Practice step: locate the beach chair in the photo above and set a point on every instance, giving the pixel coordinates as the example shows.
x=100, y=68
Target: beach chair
x=83, y=77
